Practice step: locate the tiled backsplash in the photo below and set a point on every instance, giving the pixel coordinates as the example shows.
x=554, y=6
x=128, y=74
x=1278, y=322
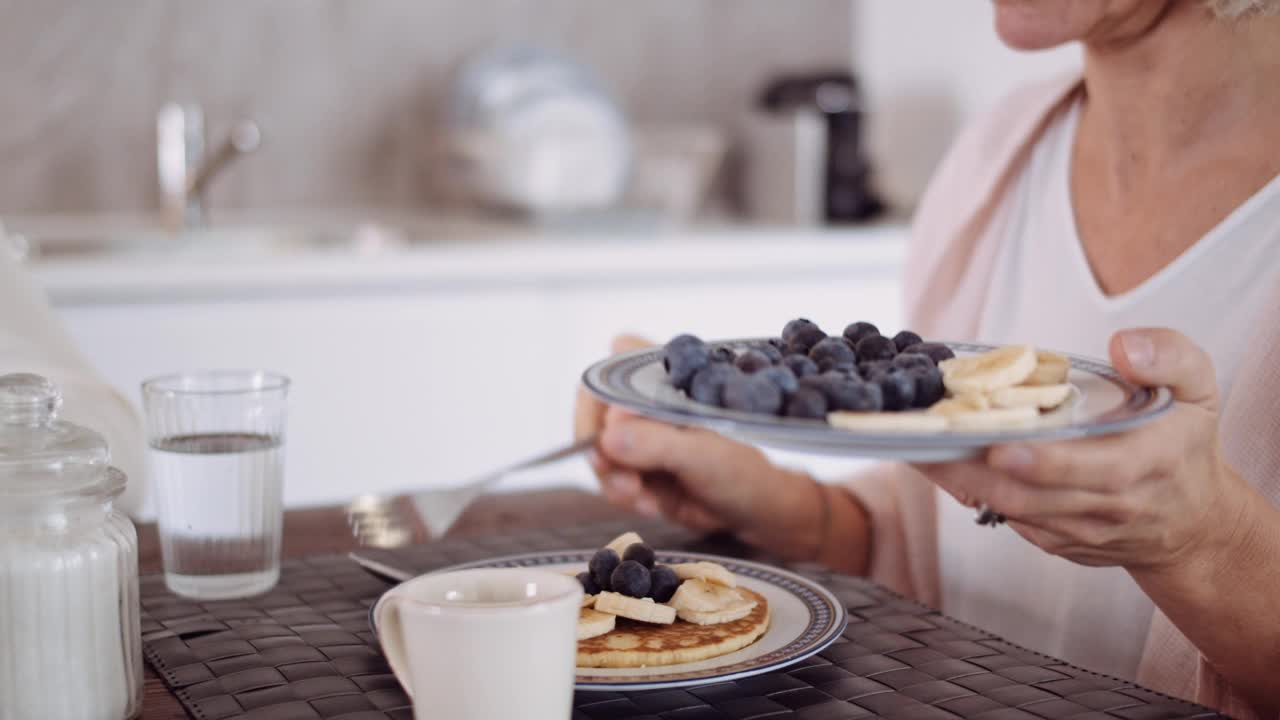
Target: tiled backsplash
x=345, y=90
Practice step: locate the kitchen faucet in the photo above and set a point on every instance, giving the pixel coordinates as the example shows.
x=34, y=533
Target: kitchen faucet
x=184, y=170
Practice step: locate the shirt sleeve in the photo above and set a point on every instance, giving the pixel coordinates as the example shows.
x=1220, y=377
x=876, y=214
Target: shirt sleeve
x=34, y=340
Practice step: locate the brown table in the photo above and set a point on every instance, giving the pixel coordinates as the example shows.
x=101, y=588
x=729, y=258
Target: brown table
x=324, y=530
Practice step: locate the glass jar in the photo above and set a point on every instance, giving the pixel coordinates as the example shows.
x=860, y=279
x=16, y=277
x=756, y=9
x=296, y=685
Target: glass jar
x=70, y=645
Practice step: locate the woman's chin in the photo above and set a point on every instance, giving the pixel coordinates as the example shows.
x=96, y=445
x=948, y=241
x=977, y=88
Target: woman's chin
x=1032, y=26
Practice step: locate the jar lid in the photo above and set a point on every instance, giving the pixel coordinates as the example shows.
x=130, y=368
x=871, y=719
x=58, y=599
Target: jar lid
x=42, y=456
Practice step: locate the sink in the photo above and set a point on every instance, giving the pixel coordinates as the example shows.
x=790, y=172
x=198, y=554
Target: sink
x=72, y=238
x=75, y=238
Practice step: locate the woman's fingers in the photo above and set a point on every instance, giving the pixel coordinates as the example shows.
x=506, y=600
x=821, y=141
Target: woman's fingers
x=627, y=343
x=974, y=484
x=1109, y=465
x=1160, y=356
x=1100, y=465
x=636, y=442
x=589, y=412
x=626, y=489
x=672, y=501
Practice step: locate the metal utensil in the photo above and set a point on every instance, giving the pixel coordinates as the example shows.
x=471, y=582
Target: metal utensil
x=381, y=570
x=439, y=509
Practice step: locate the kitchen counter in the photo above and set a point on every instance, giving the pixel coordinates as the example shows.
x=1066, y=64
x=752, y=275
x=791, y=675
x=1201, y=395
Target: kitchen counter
x=469, y=259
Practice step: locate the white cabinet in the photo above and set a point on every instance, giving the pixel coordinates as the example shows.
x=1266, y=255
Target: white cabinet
x=431, y=380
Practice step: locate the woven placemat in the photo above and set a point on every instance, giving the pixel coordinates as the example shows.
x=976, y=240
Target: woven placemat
x=305, y=652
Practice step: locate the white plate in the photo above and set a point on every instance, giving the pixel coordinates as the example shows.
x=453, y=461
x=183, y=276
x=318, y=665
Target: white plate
x=804, y=618
x=1102, y=403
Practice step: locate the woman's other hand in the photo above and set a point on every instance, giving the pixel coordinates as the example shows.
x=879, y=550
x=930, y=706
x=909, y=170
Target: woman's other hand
x=706, y=482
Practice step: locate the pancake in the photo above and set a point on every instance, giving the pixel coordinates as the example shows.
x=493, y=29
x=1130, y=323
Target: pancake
x=636, y=644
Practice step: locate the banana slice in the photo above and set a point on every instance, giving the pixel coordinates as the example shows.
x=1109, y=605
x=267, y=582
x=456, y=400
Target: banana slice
x=888, y=421
x=588, y=600
x=1051, y=369
x=702, y=596
x=999, y=368
x=740, y=608
x=709, y=571
x=994, y=419
x=592, y=623
x=962, y=403
x=1044, y=397
x=642, y=609
x=624, y=541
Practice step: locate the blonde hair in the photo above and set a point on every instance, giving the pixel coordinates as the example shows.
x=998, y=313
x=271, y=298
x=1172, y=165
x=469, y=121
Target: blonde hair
x=1232, y=9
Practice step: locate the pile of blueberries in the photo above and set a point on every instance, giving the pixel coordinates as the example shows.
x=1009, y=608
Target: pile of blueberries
x=807, y=373
x=635, y=574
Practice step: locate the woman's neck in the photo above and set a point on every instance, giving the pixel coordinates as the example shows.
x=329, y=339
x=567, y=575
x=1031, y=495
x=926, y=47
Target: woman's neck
x=1155, y=95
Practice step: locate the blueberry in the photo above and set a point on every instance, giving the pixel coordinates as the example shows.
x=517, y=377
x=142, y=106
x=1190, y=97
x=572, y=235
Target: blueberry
x=911, y=361
x=818, y=382
x=589, y=584
x=857, y=396
x=847, y=373
x=774, y=354
x=807, y=402
x=937, y=352
x=929, y=387
x=781, y=376
x=602, y=565
x=631, y=578
x=804, y=340
x=683, y=357
x=708, y=385
x=899, y=390
x=723, y=354
x=800, y=365
x=639, y=552
x=859, y=330
x=906, y=339
x=752, y=394
x=662, y=583
x=794, y=327
x=851, y=344
x=778, y=344
x=876, y=347
x=752, y=360
x=872, y=368
x=827, y=384
x=832, y=353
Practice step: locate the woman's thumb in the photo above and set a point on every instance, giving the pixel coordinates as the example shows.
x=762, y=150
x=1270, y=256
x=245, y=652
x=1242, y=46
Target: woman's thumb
x=1161, y=356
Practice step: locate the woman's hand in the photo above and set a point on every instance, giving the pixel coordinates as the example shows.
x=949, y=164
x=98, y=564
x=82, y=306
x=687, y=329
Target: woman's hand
x=1159, y=501
x=706, y=482
x=1147, y=498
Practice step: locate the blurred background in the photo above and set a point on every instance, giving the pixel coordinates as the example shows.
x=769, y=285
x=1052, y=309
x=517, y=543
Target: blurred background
x=433, y=215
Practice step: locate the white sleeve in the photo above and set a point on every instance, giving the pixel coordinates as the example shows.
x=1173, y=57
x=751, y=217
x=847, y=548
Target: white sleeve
x=32, y=339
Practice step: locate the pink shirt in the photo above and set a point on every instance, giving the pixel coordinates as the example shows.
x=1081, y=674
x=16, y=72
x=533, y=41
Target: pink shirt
x=959, y=244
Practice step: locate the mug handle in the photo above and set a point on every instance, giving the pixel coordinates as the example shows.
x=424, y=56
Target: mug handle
x=391, y=636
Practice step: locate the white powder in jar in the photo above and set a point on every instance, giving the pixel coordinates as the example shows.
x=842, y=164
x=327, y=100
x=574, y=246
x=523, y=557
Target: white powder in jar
x=69, y=636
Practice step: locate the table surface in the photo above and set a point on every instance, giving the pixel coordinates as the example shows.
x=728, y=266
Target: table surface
x=325, y=530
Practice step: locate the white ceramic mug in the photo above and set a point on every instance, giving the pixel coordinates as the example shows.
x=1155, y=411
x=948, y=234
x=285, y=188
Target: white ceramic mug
x=484, y=644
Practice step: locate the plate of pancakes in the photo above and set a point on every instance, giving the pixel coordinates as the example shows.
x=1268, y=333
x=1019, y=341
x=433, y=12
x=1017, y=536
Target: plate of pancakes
x=724, y=619
x=930, y=402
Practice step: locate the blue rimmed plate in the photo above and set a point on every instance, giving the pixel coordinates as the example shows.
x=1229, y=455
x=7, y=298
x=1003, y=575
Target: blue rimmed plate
x=804, y=618
x=1102, y=403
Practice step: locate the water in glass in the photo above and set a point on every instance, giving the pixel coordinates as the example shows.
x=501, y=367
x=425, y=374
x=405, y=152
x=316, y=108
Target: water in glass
x=219, y=512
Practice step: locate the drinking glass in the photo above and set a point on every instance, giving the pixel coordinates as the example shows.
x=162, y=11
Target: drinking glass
x=217, y=465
